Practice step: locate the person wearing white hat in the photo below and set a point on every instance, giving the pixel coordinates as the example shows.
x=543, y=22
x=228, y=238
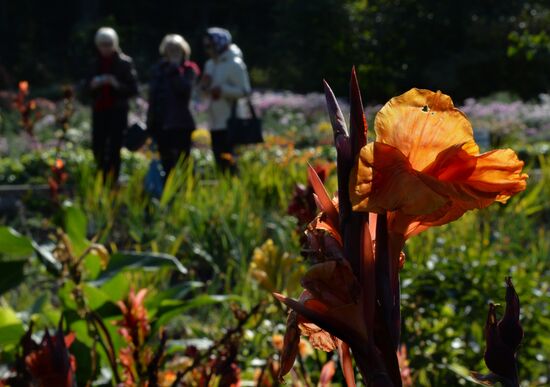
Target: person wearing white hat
x=112, y=82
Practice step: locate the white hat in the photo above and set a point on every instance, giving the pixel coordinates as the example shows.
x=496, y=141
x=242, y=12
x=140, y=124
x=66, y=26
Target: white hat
x=107, y=34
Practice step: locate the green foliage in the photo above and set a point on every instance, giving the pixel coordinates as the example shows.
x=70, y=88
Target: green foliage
x=453, y=272
x=11, y=327
x=14, y=248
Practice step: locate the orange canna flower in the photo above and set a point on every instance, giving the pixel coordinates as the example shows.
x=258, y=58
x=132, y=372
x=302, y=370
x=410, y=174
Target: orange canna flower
x=425, y=168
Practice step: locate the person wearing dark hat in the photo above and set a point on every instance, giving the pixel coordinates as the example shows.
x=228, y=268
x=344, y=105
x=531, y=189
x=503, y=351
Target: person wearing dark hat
x=169, y=118
x=111, y=84
x=225, y=82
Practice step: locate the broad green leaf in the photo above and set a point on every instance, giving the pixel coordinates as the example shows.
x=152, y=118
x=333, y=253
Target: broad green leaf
x=117, y=287
x=82, y=354
x=11, y=327
x=177, y=292
x=13, y=244
x=75, y=221
x=12, y=274
x=171, y=308
x=92, y=264
x=75, y=224
x=128, y=261
x=96, y=299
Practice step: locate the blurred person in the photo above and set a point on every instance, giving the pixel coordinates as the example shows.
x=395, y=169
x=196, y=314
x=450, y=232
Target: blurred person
x=112, y=82
x=169, y=118
x=225, y=82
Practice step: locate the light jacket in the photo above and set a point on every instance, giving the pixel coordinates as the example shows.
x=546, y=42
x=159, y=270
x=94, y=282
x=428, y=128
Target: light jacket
x=229, y=73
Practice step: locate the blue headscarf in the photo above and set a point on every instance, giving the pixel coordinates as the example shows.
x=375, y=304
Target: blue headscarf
x=220, y=37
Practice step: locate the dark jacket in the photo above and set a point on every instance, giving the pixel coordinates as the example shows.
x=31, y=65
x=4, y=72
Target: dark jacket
x=170, y=94
x=123, y=70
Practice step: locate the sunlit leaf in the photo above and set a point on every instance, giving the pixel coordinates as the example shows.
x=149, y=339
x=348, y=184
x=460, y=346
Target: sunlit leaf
x=13, y=244
x=129, y=261
x=11, y=327
x=171, y=308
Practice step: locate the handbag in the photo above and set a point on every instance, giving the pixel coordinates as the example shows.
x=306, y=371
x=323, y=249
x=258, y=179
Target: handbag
x=154, y=180
x=135, y=137
x=244, y=131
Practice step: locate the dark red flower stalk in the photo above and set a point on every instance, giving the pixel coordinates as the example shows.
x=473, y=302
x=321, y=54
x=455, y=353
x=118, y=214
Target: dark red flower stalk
x=26, y=107
x=58, y=177
x=423, y=170
x=349, y=302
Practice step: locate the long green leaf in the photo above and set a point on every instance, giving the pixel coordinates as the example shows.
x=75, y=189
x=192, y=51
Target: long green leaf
x=129, y=261
x=171, y=308
x=13, y=244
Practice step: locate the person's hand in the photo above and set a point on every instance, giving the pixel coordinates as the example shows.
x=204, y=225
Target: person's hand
x=97, y=81
x=111, y=80
x=216, y=92
x=206, y=81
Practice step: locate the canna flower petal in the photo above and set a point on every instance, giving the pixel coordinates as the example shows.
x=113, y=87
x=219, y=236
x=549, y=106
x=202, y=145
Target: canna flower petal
x=421, y=124
x=425, y=168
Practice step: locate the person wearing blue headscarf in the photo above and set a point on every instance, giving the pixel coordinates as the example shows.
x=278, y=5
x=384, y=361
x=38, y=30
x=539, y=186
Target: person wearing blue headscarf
x=224, y=84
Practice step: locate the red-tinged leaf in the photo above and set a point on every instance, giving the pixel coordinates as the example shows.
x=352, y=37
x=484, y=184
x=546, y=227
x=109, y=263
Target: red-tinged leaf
x=358, y=122
x=333, y=283
x=344, y=157
x=499, y=358
x=327, y=374
x=323, y=199
x=510, y=329
x=290, y=345
x=335, y=113
x=320, y=315
x=368, y=279
x=372, y=225
x=346, y=364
